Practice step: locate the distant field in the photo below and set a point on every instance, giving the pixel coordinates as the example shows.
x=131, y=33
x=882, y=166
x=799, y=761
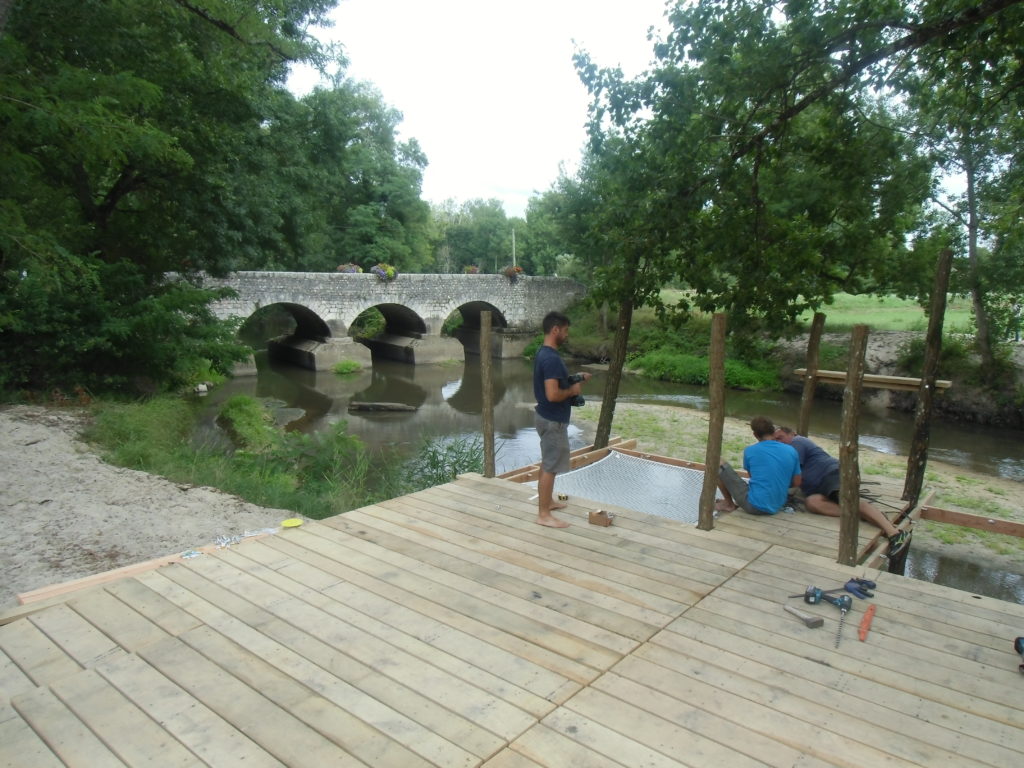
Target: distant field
x=890, y=314
x=886, y=313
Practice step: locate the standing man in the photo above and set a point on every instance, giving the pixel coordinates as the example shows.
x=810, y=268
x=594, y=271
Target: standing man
x=554, y=392
x=820, y=484
x=773, y=467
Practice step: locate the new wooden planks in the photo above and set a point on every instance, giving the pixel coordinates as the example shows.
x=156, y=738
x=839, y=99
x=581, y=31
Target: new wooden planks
x=21, y=747
x=65, y=735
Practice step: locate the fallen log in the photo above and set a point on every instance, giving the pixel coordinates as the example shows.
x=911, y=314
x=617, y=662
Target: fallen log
x=358, y=406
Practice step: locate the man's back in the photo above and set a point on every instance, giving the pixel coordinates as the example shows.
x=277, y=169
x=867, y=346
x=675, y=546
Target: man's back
x=815, y=464
x=772, y=465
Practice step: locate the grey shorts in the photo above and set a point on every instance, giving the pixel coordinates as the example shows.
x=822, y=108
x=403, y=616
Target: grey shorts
x=738, y=489
x=554, y=444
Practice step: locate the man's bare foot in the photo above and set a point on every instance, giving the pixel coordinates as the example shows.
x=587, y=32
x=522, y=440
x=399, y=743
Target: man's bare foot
x=724, y=506
x=557, y=505
x=552, y=522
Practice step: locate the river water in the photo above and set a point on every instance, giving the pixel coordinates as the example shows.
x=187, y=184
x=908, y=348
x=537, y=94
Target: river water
x=448, y=404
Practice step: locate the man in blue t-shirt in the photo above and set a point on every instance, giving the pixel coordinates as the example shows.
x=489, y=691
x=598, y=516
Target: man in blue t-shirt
x=773, y=468
x=820, y=485
x=554, y=394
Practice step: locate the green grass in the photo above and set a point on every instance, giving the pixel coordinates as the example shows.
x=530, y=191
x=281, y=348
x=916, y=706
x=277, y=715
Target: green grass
x=345, y=367
x=889, y=313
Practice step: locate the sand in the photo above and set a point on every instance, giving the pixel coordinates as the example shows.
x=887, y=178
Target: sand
x=68, y=514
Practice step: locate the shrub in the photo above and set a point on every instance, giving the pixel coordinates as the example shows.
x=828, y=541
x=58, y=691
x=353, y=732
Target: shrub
x=350, y=269
x=384, y=272
x=343, y=367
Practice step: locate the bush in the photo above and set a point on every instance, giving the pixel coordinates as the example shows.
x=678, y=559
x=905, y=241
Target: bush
x=344, y=367
x=681, y=368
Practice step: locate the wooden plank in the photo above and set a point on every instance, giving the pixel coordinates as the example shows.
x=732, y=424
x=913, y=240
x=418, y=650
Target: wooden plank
x=964, y=520
x=125, y=626
x=278, y=731
x=65, y=735
x=12, y=682
x=129, y=733
x=468, y=701
x=328, y=556
x=153, y=606
x=787, y=669
x=372, y=621
x=681, y=730
x=38, y=657
x=20, y=747
x=286, y=679
x=548, y=747
x=196, y=726
x=775, y=690
x=406, y=703
x=597, y=600
x=874, y=380
x=509, y=759
x=77, y=637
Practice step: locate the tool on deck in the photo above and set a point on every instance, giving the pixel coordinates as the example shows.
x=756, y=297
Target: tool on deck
x=865, y=623
x=814, y=595
x=806, y=618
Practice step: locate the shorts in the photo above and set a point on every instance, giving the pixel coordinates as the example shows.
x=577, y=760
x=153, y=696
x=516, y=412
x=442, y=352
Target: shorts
x=554, y=444
x=829, y=486
x=738, y=489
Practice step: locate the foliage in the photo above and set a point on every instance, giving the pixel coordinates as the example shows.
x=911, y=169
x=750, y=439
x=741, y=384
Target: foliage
x=141, y=139
x=513, y=273
x=248, y=423
x=350, y=269
x=475, y=233
x=345, y=367
x=384, y=272
x=370, y=323
x=668, y=365
x=471, y=269
x=315, y=475
x=441, y=460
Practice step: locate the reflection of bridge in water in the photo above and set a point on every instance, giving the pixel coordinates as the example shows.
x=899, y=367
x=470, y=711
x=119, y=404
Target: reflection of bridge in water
x=415, y=308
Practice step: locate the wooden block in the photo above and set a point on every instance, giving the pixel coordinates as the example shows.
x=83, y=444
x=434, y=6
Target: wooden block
x=601, y=517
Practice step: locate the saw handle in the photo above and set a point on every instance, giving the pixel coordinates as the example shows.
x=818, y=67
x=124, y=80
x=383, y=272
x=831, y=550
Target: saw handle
x=865, y=622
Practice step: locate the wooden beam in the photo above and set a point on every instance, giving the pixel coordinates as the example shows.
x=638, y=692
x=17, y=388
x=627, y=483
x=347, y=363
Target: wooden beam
x=716, y=420
x=813, y=350
x=874, y=380
x=530, y=472
x=849, y=468
x=965, y=520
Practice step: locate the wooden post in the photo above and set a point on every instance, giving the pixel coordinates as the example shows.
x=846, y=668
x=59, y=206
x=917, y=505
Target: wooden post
x=716, y=422
x=810, y=382
x=486, y=384
x=926, y=393
x=849, y=468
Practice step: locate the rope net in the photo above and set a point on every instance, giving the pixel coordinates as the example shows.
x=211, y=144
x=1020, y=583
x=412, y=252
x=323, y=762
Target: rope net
x=638, y=484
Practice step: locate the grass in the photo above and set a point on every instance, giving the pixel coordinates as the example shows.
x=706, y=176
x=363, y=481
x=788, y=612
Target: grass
x=317, y=475
x=889, y=313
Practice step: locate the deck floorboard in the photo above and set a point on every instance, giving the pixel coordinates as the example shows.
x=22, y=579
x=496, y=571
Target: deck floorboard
x=445, y=628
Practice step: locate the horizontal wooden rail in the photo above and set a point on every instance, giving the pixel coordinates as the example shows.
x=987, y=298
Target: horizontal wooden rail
x=965, y=520
x=874, y=380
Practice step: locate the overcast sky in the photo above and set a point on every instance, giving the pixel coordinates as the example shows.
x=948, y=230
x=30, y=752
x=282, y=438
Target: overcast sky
x=487, y=87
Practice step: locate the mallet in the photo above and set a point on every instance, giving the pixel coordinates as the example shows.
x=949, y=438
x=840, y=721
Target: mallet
x=806, y=618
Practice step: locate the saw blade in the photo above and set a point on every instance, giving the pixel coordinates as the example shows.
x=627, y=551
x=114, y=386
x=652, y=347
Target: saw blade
x=839, y=629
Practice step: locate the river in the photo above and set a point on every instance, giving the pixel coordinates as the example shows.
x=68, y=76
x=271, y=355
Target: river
x=448, y=404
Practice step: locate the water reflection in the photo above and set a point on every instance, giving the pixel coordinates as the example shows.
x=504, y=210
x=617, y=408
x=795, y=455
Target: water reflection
x=968, y=575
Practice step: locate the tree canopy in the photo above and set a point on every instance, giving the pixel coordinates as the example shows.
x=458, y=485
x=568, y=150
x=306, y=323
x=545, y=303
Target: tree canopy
x=141, y=139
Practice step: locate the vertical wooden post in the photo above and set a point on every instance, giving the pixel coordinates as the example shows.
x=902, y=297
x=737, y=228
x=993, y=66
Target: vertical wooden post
x=486, y=384
x=849, y=468
x=918, y=459
x=807, y=400
x=716, y=422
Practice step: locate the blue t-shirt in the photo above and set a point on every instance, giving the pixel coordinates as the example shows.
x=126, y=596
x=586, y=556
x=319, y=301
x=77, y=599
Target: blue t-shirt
x=771, y=465
x=815, y=464
x=548, y=364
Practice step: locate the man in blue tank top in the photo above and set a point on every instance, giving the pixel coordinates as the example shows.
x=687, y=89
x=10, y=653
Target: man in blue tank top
x=554, y=394
x=773, y=468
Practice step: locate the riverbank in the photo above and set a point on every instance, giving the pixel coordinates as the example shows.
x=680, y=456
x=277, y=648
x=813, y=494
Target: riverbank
x=68, y=514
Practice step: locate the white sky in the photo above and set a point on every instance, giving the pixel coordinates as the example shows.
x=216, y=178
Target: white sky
x=488, y=88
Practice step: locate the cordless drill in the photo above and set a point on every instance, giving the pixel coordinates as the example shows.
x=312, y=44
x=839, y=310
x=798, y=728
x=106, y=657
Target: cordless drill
x=814, y=595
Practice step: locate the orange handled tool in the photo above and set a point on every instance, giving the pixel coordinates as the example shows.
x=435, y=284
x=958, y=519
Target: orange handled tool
x=865, y=623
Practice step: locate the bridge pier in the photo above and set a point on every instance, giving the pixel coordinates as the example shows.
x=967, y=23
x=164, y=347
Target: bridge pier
x=317, y=354
x=505, y=343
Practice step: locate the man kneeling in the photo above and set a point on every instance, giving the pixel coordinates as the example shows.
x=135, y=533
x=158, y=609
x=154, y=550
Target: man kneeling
x=773, y=467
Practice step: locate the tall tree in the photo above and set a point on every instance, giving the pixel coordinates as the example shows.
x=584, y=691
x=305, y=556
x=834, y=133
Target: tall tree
x=751, y=110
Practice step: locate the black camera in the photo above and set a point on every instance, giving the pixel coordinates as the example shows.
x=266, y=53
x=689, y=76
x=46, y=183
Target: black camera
x=577, y=400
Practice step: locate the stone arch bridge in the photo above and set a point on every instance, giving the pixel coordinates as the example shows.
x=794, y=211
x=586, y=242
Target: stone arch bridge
x=415, y=307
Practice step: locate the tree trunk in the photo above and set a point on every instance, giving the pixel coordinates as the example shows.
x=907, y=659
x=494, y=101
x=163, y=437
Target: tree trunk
x=716, y=421
x=849, y=465
x=615, y=366
x=973, y=260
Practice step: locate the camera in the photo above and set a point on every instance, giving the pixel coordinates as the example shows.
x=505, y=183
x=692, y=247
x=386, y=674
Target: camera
x=577, y=400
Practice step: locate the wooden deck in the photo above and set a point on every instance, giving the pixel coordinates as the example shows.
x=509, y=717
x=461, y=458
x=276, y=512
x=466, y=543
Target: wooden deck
x=445, y=628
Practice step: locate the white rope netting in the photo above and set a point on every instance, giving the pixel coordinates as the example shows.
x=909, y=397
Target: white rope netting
x=639, y=484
